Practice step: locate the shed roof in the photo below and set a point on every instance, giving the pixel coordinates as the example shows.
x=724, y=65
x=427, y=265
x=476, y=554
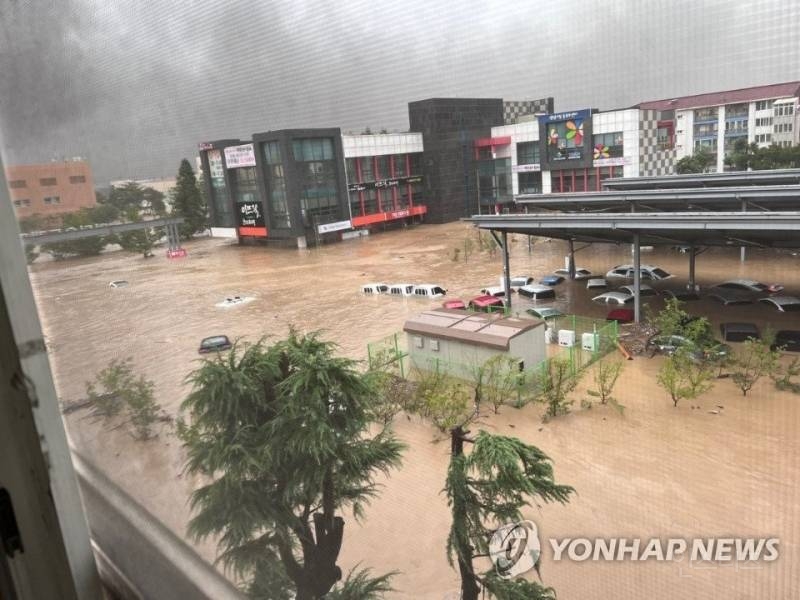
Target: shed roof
x=471, y=328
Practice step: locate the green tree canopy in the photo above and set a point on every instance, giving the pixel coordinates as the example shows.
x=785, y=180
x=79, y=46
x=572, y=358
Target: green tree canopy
x=699, y=162
x=282, y=433
x=187, y=202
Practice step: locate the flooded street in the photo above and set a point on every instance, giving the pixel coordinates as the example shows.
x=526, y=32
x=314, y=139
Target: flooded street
x=657, y=471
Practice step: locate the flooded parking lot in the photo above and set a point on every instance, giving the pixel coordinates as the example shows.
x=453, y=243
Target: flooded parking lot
x=656, y=471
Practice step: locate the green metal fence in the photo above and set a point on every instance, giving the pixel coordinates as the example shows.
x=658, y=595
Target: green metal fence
x=388, y=354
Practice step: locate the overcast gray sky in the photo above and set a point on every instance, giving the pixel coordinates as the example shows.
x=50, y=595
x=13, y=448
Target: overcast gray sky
x=135, y=85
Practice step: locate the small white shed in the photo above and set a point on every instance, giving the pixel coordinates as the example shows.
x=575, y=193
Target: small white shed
x=458, y=341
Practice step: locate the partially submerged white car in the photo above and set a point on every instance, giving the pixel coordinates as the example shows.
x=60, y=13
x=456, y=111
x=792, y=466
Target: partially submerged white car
x=536, y=291
x=748, y=285
x=428, y=290
x=644, y=290
x=375, y=288
x=614, y=298
x=645, y=272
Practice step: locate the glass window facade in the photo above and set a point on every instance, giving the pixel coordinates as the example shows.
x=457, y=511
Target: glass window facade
x=494, y=181
x=276, y=187
x=530, y=183
x=312, y=149
x=400, y=169
x=528, y=153
x=316, y=168
x=608, y=145
x=220, y=197
x=244, y=184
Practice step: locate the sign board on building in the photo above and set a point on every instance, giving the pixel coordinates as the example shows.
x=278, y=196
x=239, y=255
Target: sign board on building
x=250, y=214
x=611, y=162
x=337, y=226
x=532, y=168
x=204, y=146
x=565, y=139
x=240, y=156
x=215, y=164
x=383, y=183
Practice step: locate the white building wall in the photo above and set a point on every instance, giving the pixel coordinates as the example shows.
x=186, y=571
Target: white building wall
x=626, y=121
x=519, y=132
x=720, y=139
x=381, y=144
x=684, y=133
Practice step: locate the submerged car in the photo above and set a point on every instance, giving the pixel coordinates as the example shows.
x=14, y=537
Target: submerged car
x=536, y=291
x=644, y=290
x=455, y=304
x=597, y=282
x=487, y=304
x=374, y=288
x=429, y=290
x=621, y=315
x=787, y=340
x=613, y=298
x=117, y=283
x=401, y=289
x=580, y=273
x=669, y=344
x=748, y=285
x=517, y=281
x=645, y=272
x=495, y=290
x=551, y=279
x=783, y=303
x=214, y=343
x=729, y=296
x=545, y=313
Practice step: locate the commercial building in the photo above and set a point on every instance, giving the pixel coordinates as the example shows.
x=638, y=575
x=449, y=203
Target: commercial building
x=51, y=188
x=464, y=156
x=763, y=115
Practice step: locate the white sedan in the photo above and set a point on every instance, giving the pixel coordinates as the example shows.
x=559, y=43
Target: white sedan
x=614, y=298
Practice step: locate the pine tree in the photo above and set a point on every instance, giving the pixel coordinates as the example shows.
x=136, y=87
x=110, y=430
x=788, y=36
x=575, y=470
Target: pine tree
x=187, y=202
x=282, y=434
x=487, y=488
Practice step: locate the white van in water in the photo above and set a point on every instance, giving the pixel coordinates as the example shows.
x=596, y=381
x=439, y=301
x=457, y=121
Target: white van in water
x=401, y=289
x=427, y=290
x=375, y=288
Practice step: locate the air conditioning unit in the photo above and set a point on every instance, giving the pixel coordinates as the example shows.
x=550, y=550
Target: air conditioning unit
x=590, y=342
x=566, y=338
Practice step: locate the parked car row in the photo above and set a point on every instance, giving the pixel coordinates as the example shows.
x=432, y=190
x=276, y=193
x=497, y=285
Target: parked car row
x=424, y=290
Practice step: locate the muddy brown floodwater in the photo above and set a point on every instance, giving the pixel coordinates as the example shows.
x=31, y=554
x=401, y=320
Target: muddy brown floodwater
x=657, y=471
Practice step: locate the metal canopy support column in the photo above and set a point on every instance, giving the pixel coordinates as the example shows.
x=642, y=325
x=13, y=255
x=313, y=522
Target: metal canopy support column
x=692, y=257
x=742, y=249
x=637, y=278
x=506, y=272
x=571, y=265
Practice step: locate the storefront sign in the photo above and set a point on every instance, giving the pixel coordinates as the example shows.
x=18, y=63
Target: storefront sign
x=569, y=116
x=611, y=162
x=532, y=168
x=250, y=214
x=215, y=164
x=240, y=156
x=329, y=227
x=204, y=146
x=383, y=183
